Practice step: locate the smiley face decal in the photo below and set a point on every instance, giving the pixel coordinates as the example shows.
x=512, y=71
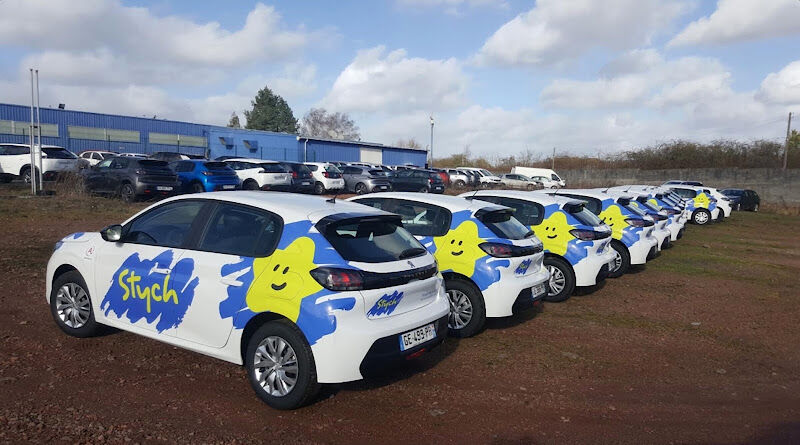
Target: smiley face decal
x=613, y=217
x=458, y=250
x=702, y=201
x=554, y=232
x=654, y=203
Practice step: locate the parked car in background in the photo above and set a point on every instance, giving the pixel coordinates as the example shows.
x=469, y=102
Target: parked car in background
x=320, y=309
x=680, y=182
x=168, y=156
x=133, y=155
x=723, y=202
x=198, y=176
x=131, y=178
x=638, y=204
x=443, y=175
x=632, y=234
x=95, y=156
x=473, y=176
x=488, y=259
x=302, y=180
x=576, y=242
x=743, y=199
x=15, y=162
x=485, y=177
x=424, y=181
x=327, y=177
x=361, y=180
x=257, y=174
x=546, y=176
x=516, y=181
x=458, y=178
x=700, y=204
x=660, y=198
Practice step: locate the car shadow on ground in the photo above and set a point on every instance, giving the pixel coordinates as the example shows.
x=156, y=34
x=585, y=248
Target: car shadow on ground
x=588, y=290
x=521, y=315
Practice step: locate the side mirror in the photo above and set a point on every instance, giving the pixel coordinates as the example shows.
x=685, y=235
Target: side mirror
x=112, y=233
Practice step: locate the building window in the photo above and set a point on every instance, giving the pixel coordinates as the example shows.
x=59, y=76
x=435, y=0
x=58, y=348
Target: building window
x=23, y=128
x=177, y=139
x=102, y=134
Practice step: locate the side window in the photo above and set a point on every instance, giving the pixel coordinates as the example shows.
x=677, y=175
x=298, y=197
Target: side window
x=104, y=164
x=351, y=171
x=17, y=150
x=555, y=177
x=423, y=219
x=167, y=225
x=184, y=167
x=2, y=150
x=119, y=163
x=241, y=230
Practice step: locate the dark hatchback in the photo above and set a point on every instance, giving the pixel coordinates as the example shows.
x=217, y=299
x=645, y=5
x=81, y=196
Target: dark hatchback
x=131, y=178
x=302, y=179
x=425, y=181
x=743, y=199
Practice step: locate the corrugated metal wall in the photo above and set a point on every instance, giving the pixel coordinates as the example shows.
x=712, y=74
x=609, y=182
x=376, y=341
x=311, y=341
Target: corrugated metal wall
x=220, y=141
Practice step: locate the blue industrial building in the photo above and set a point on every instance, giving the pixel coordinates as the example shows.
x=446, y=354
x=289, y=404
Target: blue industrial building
x=78, y=131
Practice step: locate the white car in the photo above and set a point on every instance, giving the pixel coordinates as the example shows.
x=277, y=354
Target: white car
x=487, y=178
x=489, y=260
x=519, y=182
x=258, y=174
x=326, y=176
x=544, y=175
x=577, y=243
x=15, y=161
x=133, y=155
x=300, y=290
x=546, y=182
x=661, y=199
x=723, y=203
x=701, y=205
x=93, y=157
x=638, y=204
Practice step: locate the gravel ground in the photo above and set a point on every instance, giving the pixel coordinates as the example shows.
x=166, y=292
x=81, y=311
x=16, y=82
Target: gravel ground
x=701, y=346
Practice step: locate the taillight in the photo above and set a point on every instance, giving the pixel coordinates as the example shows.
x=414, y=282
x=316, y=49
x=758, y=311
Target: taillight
x=636, y=222
x=338, y=279
x=430, y=181
x=658, y=217
x=139, y=172
x=294, y=175
x=501, y=250
x=589, y=235
x=325, y=174
x=206, y=173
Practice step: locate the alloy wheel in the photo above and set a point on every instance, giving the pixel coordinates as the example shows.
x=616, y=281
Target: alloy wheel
x=557, y=280
x=460, y=309
x=275, y=366
x=73, y=306
x=617, y=262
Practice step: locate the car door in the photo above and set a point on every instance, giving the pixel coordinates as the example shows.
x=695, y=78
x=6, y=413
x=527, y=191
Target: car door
x=143, y=281
x=115, y=174
x=405, y=180
x=225, y=260
x=96, y=177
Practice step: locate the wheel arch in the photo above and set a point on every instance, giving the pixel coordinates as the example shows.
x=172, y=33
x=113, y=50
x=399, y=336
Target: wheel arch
x=256, y=322
x=450, y=275
x=560, y=257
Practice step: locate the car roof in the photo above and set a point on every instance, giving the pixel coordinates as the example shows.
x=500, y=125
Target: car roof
x=255, y=160
x=452, y=203
x=541, y=198
x=291, y=206
x=590, y=193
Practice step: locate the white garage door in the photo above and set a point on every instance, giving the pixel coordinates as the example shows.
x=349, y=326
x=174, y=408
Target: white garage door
x=372, y=155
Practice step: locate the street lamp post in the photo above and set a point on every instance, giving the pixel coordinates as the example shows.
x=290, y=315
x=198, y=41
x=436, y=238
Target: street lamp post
x=431, y=162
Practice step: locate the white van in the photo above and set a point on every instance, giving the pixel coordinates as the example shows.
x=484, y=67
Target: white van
x=546, y=176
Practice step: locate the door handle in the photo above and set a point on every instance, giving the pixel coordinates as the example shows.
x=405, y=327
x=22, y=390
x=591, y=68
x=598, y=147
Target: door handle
x=162, y=270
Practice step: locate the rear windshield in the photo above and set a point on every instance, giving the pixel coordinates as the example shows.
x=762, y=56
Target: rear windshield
x=215, y=165
x=152, y=163
x=373, y=241
x=634, y=208
x=312, y=167
x=58, y=153
x=273, y=168
x=377, y=173
x=583, y=215
x=332, y=169
x=504, y=225
x=649, y=206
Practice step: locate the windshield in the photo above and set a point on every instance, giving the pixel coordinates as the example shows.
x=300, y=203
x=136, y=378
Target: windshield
x=373, y=241
x=504, y=225
x=58, y=153
x=486, y=172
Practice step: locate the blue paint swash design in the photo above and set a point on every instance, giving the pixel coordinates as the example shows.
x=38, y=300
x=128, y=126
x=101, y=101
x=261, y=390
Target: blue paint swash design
x=137, y=292
x=386, y=304
x=523, y=267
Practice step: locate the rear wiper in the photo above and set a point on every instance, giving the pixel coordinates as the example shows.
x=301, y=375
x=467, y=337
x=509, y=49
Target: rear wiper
x=414, y=251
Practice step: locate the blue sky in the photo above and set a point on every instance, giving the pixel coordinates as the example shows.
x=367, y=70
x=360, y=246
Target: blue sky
x=499, y=77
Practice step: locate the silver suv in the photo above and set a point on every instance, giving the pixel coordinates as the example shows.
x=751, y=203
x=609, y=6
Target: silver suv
x=361, y=180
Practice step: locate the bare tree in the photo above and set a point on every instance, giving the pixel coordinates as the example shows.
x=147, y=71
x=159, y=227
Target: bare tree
x=319, y=123
x=234, y=122
x=408, y=143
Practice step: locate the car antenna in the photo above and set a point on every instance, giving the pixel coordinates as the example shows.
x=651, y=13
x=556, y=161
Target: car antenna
x=333, y=200
x=473, y=194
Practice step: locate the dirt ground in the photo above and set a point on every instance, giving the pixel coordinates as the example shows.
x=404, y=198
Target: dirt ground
x=701, y=346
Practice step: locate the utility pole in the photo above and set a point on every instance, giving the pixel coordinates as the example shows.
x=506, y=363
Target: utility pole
x=32, y=168
x=39, y=136
x=786, y=146
x=553, y=165
x=431, y=163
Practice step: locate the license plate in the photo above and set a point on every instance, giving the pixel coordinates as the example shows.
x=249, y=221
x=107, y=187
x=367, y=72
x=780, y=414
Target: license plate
x=163, y=189
x=538, y=290
x=418, y=336
x=383, y=187
x=306, y=183
x=228, y=187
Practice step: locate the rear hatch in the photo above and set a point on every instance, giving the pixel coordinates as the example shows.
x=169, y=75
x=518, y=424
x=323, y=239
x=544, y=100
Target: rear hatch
x=220, y=170
x=396, y=273
x=153, y=171
x=518, y=244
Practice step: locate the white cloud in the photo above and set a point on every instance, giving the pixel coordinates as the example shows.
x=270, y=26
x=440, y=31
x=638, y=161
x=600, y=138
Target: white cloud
x=558, y=30
x=453, y=7
x=740, y=20
x=782, y=87
x=395, y=83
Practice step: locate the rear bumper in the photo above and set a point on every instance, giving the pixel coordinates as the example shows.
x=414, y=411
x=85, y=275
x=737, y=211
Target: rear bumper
x=589, y=269
x=385, y=352
x=640, y=250
x=152, y=189
x=501, y=296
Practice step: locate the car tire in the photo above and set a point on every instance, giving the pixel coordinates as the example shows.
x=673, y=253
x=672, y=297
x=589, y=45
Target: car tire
x=530, y=187
x=467, y=308
x=622, y=261
x=319, y=188
x=197, y=187
x=25, y=174
x=423, y=190
x=71, y=306
x=562, y=280
x=285, y=385
x=738, y=207
x=361, y=189
x=250, y=185
x=460, y=184
x=755, y=208
x=701, y=217
x=127, y=193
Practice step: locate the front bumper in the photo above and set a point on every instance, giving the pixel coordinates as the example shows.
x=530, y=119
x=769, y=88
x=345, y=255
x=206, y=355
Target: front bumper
x=501, y=296
x=588, y=269
x=339, y=356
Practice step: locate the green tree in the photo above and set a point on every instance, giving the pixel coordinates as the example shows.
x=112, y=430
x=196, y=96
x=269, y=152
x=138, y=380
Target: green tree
x=234, y=122
x=271, y=113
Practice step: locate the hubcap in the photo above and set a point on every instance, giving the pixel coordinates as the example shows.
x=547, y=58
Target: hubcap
x=617, y=261
x=701, y=218
x=72, y=305
x=460, y=309
x=557, y=281
x=275, y=366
